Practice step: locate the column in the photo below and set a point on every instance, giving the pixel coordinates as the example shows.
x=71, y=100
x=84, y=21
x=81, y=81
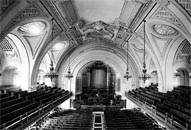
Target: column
x=84, y=80
x=118, y=84
x=108, y=78
x=88, y=73
x=113, y=81
x=78, y=84
x=190, y=79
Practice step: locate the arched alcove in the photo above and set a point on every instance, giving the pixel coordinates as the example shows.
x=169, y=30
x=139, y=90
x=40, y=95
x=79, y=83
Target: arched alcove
x=182, y=66
x=24, y=64
x=94, y=75
x=11, y=77
x=181, y=77
x=154, y=77
x=80, y=58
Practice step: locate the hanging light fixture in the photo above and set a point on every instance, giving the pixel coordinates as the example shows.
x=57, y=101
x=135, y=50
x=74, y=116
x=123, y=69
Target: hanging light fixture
x=52, y=74
x=69, y=74
x=144, y=75
x=127, y=76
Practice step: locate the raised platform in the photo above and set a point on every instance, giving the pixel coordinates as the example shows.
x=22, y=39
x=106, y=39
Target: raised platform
x=100, y=107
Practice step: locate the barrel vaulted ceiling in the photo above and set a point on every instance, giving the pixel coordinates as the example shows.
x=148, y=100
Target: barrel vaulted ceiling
x=111, y=22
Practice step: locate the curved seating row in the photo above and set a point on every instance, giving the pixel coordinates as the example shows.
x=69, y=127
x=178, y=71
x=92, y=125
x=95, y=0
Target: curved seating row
x=129, y=120
x=19, y=104
x=70, y=120
x=176, y=103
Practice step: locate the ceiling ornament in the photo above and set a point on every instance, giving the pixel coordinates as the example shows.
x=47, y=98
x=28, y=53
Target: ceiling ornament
x=165, y=14
x=98, y=29
x=165, y=30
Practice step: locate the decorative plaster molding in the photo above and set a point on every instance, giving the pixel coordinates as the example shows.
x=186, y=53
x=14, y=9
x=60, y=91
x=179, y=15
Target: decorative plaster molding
x=5, y=4
x=32, y=10
x=185, y=4
x=164, y=13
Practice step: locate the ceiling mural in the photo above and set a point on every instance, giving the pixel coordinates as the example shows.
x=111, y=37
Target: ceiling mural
x=96, y=20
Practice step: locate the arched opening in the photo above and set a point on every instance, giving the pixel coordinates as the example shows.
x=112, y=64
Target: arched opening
x=97, y=81
x=14, y=67
x=95, y=75
x=154, y=77
x=89, y=53
x=22, y=60
x=181, y=77
x=11, y=77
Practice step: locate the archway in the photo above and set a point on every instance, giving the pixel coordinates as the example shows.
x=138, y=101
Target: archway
x=154, y=77
x=95, y=75
x=182, y=77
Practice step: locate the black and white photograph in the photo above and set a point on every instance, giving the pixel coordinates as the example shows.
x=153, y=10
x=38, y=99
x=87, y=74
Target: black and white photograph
x=95, y=64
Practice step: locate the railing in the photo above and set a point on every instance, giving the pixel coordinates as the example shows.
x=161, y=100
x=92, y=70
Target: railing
x=167, y=120
x=26, y=119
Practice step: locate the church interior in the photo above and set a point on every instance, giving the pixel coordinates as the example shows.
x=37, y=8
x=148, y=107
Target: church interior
x=95, y=65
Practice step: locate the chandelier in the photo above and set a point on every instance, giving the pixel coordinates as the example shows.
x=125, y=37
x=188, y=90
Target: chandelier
x=144, y=76
x=127, y=76
x=69, y=74
x=52, y=74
